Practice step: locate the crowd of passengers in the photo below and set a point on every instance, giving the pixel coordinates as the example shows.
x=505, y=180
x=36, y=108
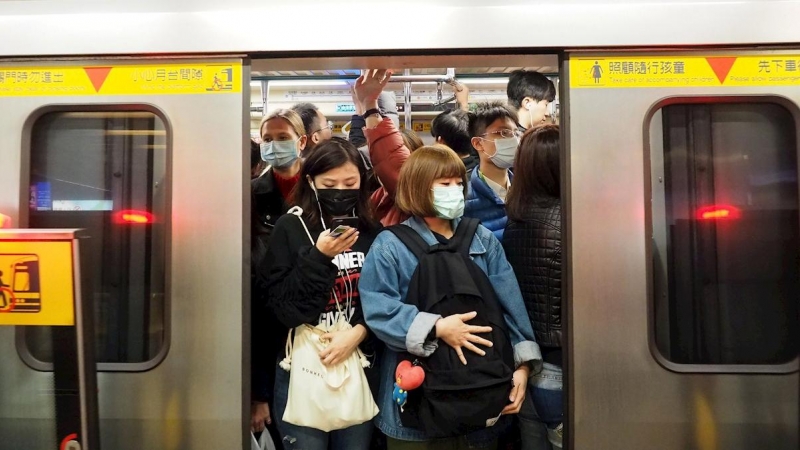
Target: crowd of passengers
x=367, y=336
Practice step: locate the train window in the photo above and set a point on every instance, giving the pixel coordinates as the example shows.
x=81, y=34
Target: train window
x=726, y=236
x=106, y=172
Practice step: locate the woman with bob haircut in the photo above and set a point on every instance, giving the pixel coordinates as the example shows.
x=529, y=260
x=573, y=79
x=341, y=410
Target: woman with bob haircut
x=304, y=281
x=431, y=189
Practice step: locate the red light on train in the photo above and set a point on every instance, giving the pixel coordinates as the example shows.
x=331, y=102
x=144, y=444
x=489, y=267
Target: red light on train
x=5, y=221
x=718, y=212
x=132, y=216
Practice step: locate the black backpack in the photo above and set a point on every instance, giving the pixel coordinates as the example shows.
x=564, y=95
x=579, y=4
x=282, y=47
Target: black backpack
x=456, y=399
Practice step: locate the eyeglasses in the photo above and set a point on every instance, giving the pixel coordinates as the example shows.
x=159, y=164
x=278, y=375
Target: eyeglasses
x=505, y=133
x=329, y=127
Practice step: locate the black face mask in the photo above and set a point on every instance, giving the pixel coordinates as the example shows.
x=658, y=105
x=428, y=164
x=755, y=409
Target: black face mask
x=337, y=202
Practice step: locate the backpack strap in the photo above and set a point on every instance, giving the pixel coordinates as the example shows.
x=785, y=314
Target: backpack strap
x=462, y=239
x=410, y=239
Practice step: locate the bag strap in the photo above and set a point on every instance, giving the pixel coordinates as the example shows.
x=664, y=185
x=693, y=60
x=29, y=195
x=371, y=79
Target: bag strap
x=462, y=239
x=410, y=239
x=298, y=211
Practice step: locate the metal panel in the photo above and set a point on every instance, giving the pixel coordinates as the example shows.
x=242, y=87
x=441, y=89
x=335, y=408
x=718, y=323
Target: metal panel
x=620, y=396
x=108, y=28
x=195, y=398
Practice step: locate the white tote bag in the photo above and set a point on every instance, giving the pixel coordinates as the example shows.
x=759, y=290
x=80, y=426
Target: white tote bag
x=324, y=397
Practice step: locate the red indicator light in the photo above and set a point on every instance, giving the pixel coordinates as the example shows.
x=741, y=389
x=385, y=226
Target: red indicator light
x=5, y=221
x=718, y=212
x=134, y=217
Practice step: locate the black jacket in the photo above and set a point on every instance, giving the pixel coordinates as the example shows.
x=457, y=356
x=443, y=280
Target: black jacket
x=269, y=204
x=300, y=279
x=267, y=207
x=533, y=247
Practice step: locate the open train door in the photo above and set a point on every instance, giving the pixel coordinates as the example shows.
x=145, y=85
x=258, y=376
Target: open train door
x=150, y=158
x=684, y=249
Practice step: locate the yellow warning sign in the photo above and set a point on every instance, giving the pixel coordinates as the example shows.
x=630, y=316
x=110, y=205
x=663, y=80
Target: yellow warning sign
x=420, y=126
x=151, y=79
x=36, y=283
x=684, y=71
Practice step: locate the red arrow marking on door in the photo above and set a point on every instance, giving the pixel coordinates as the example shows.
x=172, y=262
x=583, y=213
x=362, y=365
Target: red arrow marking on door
x=721, y=66
x=97, y=75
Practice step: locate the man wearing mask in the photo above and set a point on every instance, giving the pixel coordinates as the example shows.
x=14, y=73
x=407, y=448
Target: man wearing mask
x=530, y=94
x=318, y=128
x=493, y=127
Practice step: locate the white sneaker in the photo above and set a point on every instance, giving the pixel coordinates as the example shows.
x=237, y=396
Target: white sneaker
x=556, y=436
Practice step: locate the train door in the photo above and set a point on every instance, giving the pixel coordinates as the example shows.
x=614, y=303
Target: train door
x=684, y=249
x=148, y=156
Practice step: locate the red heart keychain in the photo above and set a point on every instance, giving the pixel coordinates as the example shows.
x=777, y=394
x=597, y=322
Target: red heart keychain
x=409, y=376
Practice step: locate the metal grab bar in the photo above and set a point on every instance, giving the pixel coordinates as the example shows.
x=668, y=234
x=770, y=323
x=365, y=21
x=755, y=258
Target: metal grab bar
x=408, y=78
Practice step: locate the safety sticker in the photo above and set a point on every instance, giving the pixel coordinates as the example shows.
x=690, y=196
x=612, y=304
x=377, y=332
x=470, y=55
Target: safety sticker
x=684, y=71
x=36, y=283
x=151, y=79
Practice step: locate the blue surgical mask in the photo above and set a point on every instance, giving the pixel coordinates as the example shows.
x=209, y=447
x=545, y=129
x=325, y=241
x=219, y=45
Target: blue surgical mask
x=448, y=201
x=279, y=154
x=506, y=150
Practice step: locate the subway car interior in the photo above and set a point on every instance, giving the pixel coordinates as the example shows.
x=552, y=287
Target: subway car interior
x=680, y=202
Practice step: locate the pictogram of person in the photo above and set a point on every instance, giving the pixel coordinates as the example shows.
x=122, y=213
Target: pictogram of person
x=597, y=72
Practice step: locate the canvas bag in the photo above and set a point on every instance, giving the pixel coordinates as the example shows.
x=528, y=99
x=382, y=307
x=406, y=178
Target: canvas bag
x=322, y=397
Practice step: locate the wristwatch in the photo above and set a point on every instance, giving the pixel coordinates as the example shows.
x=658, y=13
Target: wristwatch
x=371, y=112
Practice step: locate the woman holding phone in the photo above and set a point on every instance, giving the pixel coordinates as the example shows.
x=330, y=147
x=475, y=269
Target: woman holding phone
x=306, y=280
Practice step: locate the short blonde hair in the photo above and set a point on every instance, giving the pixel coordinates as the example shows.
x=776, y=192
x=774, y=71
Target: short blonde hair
x=291, y=117
x=415, y=186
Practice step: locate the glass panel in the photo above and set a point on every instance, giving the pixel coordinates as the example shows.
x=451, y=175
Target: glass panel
x=105, y=172
x=726, y=234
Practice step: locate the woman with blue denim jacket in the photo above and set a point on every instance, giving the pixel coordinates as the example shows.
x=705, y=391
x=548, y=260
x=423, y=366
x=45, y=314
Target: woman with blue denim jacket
x=432, y=188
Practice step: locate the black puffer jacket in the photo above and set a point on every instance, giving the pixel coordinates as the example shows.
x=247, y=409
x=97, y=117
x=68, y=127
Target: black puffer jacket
x=533, y=247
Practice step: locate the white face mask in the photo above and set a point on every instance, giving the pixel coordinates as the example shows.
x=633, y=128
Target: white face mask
x=505, y=151
x=449, y=201
x=279, y=154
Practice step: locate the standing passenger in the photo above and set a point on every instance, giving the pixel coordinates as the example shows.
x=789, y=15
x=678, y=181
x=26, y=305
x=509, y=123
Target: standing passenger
x=411, y=140
x=317, y=126
x=304, y=280
x=283, y=140
x=387, y=150
x=431, y=189
x=529, y=93
x=493, y=127
x=533, y=244
x=451, y=128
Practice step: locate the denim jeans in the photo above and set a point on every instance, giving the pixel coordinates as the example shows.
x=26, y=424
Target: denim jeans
x=533, y=432
x=545, y=391
x=293, y=437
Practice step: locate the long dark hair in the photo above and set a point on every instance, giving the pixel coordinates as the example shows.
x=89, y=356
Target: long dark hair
x=326, y=156
x=536, y=170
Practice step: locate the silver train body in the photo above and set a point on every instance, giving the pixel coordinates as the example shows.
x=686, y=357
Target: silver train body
x=189, y=388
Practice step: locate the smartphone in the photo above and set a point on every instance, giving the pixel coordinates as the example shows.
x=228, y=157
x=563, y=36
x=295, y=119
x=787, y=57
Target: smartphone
x=341, y=225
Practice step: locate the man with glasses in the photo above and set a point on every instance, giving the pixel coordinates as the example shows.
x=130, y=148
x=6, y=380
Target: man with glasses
x=493, y=128
x=318, y=127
